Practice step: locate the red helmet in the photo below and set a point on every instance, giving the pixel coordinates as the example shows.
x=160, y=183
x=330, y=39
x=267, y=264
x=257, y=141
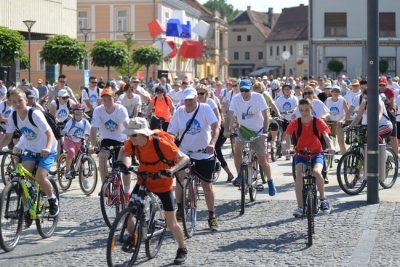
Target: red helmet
x=78, y=106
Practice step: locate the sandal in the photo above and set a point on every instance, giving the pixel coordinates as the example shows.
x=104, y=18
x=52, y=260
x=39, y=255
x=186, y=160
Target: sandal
x=230, y=178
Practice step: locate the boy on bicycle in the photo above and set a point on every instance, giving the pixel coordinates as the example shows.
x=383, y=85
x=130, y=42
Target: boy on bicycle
x=140, y=136
x=310, y=142
x=37, y=139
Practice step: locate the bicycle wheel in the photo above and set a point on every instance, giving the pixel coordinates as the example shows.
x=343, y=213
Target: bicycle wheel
x=88, y=175
x=45, y=224
x=272, y=153
x=243, y=186
x=254, y=180
x=189, y=205
x=11, y=212
x=279, y=148
x=111, y=200
x=156, y=229
x=392, y=165
x=124, y=239
x=7, y=168
x=350, y=173
x=310, y=216
x=65, y=183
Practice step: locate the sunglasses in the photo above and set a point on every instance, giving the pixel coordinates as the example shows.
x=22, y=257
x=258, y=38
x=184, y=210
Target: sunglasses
x=308, y=93
x=62, y=81
x=65, y=97
x=244, y=90
x=234, y=85
x=201, y=93
x=134, y=135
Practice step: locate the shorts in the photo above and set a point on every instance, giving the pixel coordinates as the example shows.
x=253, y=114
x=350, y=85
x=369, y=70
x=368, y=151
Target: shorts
x=303, y=160
x=257, y=145
x=205, y=168
x=273, y=126
x=394, y=130
x=166, y=198
x=110, y=142
x=44, y=162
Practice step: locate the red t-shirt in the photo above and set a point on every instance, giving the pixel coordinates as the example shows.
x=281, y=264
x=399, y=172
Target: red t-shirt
x=307, y=139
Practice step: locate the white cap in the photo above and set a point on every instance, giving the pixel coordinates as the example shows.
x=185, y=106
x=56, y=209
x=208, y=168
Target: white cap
x=189, y=93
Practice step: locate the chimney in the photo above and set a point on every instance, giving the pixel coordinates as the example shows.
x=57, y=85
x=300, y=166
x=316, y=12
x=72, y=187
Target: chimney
x=248, y=7
x=269, y=17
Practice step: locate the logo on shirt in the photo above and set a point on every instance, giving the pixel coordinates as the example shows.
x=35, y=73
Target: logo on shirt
x=287, y=106
x=334, y=111
x=28, y=133
x=111, y=125
x=93, y=99
x=195, y=128
x=79, y=133
x=7, y=113
x=248, y=114
x=62, y=114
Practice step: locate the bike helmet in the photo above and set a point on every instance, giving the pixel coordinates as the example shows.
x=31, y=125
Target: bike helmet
x=275, y=85
x=78, y=107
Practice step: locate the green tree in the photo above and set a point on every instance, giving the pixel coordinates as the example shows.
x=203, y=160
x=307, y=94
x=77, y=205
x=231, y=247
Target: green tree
x=335, y=66
x=109, y=53
x=63, y=50
x=223, y=8
x=11, y=43
x=23, y=61
x=146, y=56
x=383, y=66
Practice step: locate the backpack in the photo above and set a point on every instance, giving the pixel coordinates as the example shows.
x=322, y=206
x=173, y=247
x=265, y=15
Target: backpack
x=49, y=118
x=321, y=139
x=4, y=108
x=58, y=104
x=156, y=139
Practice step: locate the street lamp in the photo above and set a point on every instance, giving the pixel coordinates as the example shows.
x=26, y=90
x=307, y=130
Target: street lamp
x=29, y=24
x=128, y=37
x=162, y=41
x=85, y=32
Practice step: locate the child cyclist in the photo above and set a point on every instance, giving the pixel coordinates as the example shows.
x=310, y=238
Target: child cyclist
x=310, y=142
x=75, y=129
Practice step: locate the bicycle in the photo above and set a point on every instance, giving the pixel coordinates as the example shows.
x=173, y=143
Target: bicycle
x=333, y=128
x=350, y=168
x=249, y=170
x=8, y=165
x=112, y=190
x=82, y=165
x=126, y=235
x=21, y=200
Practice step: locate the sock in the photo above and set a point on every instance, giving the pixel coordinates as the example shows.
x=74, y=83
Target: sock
x=211, y=214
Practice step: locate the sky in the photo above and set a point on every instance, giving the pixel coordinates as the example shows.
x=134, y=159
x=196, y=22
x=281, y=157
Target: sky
x=263, y=5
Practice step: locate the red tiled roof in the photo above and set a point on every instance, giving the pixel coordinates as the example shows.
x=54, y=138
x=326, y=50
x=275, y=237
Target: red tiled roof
x=258, y=19
x=198, y=6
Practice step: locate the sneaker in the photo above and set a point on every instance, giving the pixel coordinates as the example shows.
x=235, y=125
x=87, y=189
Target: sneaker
x=53, y=207
x=298, y=213
x=127, y=196
x=179, y=215
x=68, y=175
x=181, y=256
x=87, y=183
x=213, y=224
x=236, y=182
x=271, y=188
x=324, y=206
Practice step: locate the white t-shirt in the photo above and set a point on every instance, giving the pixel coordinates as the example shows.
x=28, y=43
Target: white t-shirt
x=5, y=111
x=336, y=111
x=3, y=92
x=35, y=137
x=249, y=113
x=287, y=105
x=77, y=130
x=176, y=97
x=349, y=97
x=199, y=134
x=92, y=97
x=110, y=125
x=383, y=121
x=319, y=109
x=62, y=112
x=129, y=103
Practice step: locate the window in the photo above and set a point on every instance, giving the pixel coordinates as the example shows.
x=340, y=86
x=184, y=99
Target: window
x=284, y=48
x=42, y=64
x=277, y=51
x=122, y=20
x=248, y=38
x=392, y=65
x=341, y=59
x=387, y=24
x=335, y=25
x=236, y=55
x=260, y=55
x=305, y=50
x=239, y=38
x=271, y=51
x=247, y=55
x=83, y=20
x=291, y=50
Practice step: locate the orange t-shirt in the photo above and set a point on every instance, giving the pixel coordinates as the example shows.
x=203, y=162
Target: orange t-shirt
x=147, y=153
x=307, y=139
x=161, y=108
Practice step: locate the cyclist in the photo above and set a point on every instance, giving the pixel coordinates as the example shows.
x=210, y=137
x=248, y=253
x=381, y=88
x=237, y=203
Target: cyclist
x=250, y=110
x=91, y=96
x=310, y=142
x=162, y=108
x=140, y=136
x=176, y=94
x=60, y=108
x=198, y=129
x=61, y=84
x=75, y=129
x=37, y=139
x=319, y=109
x=131, y=102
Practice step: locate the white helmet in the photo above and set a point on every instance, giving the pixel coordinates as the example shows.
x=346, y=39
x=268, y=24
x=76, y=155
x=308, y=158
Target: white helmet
x=275, y=85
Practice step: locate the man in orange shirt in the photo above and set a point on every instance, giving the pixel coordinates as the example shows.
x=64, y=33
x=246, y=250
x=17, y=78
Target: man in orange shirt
x=141, y=137
x=310, y=142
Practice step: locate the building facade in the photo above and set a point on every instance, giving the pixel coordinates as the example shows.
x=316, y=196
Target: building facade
x=341, y=34
x=248, y=33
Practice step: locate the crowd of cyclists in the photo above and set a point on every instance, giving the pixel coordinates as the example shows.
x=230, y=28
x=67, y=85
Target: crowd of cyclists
x=163, y=125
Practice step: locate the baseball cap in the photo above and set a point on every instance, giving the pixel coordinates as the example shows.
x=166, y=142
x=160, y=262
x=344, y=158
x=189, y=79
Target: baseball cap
x=62, y=93
x=382, y=80
x=245, y=84
x=137, y=125
x=30, y=94
x=189, y=93
x=335, y=88
x=107, y=91
x=327, y=85
x=113, y=83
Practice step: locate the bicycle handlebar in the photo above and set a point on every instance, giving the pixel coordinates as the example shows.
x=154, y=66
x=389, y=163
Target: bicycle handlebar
x=20, y=155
